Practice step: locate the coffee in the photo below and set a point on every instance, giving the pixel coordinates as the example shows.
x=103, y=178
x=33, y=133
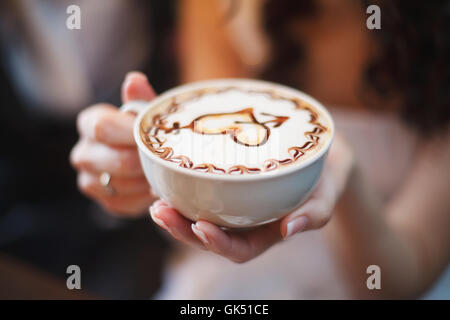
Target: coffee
x=235, y=129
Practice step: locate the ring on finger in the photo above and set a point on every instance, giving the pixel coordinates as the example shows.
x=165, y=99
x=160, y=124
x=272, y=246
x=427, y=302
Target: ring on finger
x=105, y=181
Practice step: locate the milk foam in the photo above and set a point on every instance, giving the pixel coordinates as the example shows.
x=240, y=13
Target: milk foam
x=237, y=127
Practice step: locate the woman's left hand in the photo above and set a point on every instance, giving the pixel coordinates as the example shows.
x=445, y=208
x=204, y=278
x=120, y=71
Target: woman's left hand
x=242, y=246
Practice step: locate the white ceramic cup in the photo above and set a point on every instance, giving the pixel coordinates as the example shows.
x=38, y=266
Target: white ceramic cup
x=233, y=201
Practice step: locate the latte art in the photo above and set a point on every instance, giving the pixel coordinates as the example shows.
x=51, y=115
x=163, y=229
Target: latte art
x=241, y=125
x=234, y=130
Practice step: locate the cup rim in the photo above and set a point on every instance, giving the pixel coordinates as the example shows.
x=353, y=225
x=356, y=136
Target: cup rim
x=227, y=177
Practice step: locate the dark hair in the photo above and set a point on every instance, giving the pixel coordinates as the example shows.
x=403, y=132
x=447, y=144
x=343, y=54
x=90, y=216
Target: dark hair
x=412, y=61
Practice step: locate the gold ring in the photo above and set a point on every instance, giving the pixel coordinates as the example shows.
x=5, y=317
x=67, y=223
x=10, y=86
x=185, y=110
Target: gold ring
x=105, y=181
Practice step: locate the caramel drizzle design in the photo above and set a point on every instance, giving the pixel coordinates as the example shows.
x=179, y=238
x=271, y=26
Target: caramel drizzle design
x=156, y=143
x=233, y=128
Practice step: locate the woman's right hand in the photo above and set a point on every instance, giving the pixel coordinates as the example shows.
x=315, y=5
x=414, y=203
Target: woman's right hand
x=106, y=145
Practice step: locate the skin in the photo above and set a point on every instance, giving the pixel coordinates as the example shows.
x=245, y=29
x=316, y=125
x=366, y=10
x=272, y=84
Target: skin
x=107, y=145
x=408, y=237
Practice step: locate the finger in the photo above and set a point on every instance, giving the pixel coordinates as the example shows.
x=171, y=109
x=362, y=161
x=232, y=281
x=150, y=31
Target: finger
x=96, y=157
x=316, y=211
x=238, y=246
x=174, y=223
x=300, y=220
x=126, y=205
x=106, y=124
x=159, y=203
x=89, y=183
x=313, y=214
x=137, y=87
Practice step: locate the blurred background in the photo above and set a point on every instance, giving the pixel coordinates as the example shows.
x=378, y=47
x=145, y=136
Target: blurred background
x=50, y=73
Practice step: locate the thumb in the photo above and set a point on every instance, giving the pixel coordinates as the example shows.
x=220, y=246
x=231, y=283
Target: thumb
x=136, y=87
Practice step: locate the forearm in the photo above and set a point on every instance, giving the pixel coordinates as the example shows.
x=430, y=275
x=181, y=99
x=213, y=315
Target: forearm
x=361, y=235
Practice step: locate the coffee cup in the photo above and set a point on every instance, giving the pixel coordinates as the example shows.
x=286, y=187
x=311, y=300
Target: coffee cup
x=244, y=118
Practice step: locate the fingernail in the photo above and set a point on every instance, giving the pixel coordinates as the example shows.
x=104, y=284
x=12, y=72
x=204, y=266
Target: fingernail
x=158, y=220
x=158, y=203
x=199, y=233
x=131, y=74
x=129, y=79
x=296, y=225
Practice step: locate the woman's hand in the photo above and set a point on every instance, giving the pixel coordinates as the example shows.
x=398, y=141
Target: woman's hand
x=241, y=246
x=107, y=145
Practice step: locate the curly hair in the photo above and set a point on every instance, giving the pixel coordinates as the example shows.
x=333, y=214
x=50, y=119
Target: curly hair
x=412, y=59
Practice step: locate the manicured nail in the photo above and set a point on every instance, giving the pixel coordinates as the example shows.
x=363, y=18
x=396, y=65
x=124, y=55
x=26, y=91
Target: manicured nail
x=158, y=203
x=158, y=221
x=129, y=77
x=296, y=225
x=132, y=74
x=199, y=233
